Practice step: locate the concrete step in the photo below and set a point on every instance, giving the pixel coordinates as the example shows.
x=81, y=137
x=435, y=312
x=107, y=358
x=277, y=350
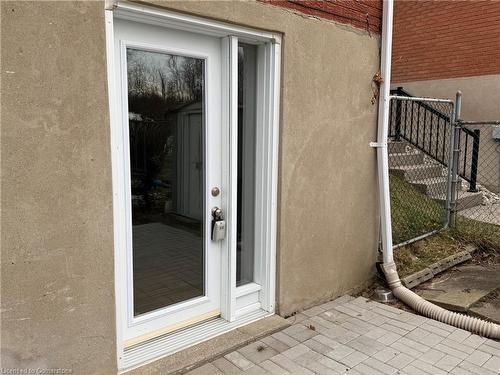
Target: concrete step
x=418, y=172
x=465, y=199
x=395, y=147
x=431, y=186
x=404, y=159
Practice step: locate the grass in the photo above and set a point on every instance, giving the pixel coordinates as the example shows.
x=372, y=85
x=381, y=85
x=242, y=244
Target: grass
x=421, y=254
x=414, y=214
x=485, y=236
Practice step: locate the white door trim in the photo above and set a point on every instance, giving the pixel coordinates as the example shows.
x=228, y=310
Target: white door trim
x=260, y=295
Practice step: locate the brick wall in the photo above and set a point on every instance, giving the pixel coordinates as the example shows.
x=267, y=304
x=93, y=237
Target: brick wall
x=363, y=14
x=445, y=39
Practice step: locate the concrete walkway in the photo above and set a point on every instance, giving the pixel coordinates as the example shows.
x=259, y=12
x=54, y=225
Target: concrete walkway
x=359, y=336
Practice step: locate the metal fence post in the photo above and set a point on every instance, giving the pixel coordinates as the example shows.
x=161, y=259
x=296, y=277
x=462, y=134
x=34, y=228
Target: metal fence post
x=475, y=161
x=398, y=116
x=452, y=177
x=455, y=158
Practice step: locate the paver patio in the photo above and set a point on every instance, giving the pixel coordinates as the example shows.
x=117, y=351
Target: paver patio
x=358, y=336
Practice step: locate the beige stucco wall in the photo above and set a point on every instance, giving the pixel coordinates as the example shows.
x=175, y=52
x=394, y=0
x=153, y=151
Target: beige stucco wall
x=57, y=238
x=57, y=249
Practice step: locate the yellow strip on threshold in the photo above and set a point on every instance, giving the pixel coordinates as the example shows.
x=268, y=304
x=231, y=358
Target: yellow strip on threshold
x=174, y=327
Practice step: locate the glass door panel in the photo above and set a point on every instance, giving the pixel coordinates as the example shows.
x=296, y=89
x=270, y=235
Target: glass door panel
x=166, y=135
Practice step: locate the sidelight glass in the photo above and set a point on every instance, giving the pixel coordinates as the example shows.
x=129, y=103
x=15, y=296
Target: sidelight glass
x=247, y=72
x=166, y=131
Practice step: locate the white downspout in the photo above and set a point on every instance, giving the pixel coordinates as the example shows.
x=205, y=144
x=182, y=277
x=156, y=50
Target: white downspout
x=411, y=299
x=383, y=121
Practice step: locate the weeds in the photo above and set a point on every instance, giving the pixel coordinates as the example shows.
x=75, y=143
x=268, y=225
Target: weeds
x=414, y=213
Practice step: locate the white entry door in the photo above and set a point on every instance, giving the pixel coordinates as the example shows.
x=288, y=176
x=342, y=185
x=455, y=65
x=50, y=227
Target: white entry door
x=171, y=90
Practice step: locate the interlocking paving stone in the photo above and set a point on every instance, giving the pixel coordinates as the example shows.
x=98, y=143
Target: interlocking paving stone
x=297, y=318
x=451, y=351
x=458, y=346
x=284, y=338
x=300, y=332
x=315, y=320
x=332, y=364
x=478, y=357
x=432, y=356
x=258, y=352
x=410, y=369
x=207, y=369
x=366, y=345
x=366, y=370
x=327, y=341
x=493, y=364
x=424, y=337
x=340, y=334
x=255, y=370
x=389, y=338
x=448, y=362
x=296, y=351
x=400, y=361
x=313, y=311
x=473, y=369
x=486, y=347
x=227, y=367
x=386, y=354
x=334, y=316
x=406, y=349
x=375, y=333
x=433, y=329
x=238, y=360
x=474, y=341
x=317, y=346
x=310, y=360
x=394, y=329
x=272, y=368
x=493, y=344
x=276, y=344
x=290, y=365
x=380, y=366
x=430, y=369
x=459, y=335
x=358, y=336
x=340, y=352
x=353, y=359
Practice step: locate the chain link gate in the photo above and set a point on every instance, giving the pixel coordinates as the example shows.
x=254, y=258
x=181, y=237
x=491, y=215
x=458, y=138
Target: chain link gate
x=427, y=195
x=419, y=151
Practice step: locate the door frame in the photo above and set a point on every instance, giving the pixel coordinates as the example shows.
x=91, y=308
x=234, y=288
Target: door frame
x=152, y=321
x=239, y=305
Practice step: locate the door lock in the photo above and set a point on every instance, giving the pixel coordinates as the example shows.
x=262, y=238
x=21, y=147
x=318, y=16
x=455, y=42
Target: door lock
x=218, y=225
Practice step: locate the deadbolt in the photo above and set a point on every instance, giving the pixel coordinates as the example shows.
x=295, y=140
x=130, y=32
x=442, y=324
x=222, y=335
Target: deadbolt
x=215, y=191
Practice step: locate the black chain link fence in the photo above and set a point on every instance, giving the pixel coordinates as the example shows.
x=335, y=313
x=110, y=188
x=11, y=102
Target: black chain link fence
x=478, y=197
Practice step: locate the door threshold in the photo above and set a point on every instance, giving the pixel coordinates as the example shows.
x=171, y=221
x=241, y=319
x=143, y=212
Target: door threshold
x=155, y=350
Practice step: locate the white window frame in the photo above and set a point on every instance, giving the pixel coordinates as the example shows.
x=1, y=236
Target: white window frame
x=239, y=305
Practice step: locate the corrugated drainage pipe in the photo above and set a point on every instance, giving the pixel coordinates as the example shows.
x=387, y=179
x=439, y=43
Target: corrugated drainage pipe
x=411, y=299
x=420, y=305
